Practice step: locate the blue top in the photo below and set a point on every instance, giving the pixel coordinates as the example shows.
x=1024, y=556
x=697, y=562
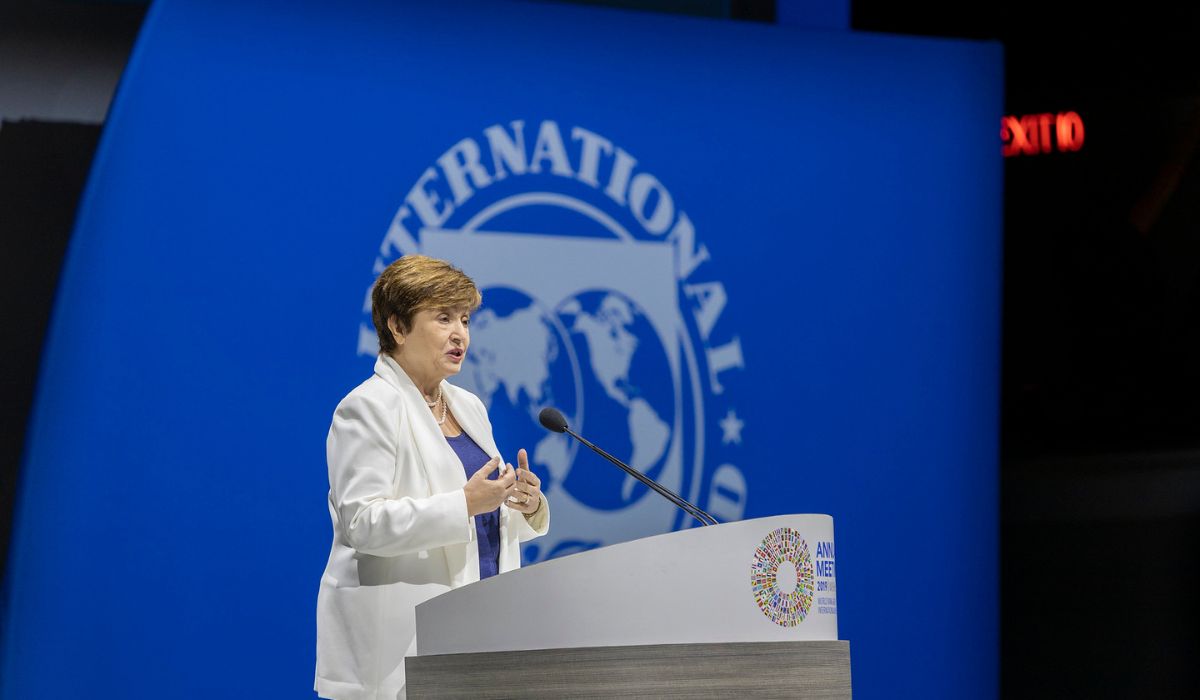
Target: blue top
x=487, y=525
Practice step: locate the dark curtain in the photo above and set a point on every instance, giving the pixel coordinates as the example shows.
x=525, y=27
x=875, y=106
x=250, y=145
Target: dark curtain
x=43, y=168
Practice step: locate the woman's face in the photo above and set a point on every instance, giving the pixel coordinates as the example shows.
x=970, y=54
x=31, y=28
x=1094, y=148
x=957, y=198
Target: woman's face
x=436, y=345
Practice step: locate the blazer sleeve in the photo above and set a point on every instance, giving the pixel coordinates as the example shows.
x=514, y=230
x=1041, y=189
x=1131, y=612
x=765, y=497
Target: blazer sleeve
x=362, y=449
x=535, y=525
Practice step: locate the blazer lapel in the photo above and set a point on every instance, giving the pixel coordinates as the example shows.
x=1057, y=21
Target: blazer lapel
x=443, y=470
x=473, y=425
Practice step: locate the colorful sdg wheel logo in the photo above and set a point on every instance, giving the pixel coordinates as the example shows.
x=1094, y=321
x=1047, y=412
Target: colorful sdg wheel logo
x=782, y=577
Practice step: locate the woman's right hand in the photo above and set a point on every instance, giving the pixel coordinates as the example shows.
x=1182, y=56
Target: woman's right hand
x=485, y=495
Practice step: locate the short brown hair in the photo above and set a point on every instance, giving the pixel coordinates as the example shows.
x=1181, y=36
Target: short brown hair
x=416, y=282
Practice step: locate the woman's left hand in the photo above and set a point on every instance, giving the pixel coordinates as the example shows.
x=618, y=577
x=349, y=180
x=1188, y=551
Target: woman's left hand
x=527, y=496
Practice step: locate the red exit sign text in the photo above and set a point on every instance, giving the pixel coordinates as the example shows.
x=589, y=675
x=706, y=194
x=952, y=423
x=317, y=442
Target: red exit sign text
x=1034, y=134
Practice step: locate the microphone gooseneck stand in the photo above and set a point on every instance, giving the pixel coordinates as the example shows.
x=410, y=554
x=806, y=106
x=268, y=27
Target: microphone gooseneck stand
x=553, y=420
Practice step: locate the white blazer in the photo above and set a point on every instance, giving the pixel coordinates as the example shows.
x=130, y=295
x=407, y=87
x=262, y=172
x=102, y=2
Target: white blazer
x=401, y=533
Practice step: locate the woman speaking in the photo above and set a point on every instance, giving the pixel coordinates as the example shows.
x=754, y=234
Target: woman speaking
x=420, y=499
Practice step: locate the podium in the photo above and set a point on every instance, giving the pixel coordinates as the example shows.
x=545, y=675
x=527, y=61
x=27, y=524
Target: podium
x=746, y=608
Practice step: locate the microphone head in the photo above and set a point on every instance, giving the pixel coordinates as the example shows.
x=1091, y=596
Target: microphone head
x=552, y=419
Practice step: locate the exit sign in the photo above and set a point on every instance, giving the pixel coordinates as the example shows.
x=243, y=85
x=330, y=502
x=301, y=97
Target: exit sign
x=1036, y=134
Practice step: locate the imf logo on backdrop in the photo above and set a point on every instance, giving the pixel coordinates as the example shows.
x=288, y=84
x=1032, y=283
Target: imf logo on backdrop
x=597, y=301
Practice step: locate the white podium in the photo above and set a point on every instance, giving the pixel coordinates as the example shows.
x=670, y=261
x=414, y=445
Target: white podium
x=747, y=607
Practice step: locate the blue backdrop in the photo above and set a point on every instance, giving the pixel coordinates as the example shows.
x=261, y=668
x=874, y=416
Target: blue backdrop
x=760, y=263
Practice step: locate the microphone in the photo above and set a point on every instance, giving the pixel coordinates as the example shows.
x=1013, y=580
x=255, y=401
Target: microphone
x=553, y=420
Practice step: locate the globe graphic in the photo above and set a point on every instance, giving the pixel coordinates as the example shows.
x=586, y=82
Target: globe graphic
x=518, y=363
x=596, y=358
x=629, y=406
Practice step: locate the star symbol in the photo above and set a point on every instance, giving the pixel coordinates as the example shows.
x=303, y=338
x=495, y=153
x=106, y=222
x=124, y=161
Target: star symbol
x=732, y=427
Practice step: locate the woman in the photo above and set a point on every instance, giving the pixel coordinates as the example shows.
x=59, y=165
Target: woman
x=420, y=499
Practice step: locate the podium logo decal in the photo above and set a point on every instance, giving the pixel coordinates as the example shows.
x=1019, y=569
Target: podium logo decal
x=598, y=299
x=782, y=577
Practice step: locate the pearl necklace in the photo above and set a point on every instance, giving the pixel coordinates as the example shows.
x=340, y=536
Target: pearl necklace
x=444, y=404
